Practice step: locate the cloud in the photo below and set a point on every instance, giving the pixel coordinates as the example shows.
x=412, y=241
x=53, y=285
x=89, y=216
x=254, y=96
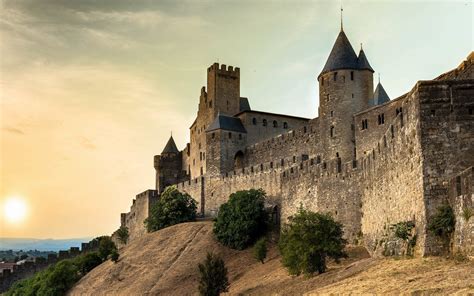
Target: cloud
x=14, y=130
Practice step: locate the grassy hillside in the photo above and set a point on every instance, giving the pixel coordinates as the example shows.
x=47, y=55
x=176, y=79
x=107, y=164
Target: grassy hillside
x=165, y=263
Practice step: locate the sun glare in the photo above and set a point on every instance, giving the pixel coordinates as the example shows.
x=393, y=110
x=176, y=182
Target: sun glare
x=14, y=209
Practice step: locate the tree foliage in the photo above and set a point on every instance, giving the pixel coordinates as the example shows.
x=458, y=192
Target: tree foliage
x=308, y=239
x=172, y=208
x=260, y=250
x=242, y=219
x=88, y=261
x=123, y=234
x=106, y=247
x=443, y=222
x=213, y=276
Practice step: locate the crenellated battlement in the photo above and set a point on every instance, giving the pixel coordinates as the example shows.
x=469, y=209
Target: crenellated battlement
x=224, y=69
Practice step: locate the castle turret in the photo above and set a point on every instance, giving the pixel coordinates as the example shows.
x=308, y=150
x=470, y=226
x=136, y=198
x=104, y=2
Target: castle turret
x=168, y=166
x=345, y=88
x=226, y=139
x=380, y=96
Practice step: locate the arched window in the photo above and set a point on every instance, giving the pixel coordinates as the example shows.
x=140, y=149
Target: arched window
x=254, y=121
x=264, y=122
x=240, y=136
x=285, y=125
x=275, y=123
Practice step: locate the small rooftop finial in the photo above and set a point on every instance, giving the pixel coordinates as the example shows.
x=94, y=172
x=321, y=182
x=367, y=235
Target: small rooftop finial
x=171, y=133
x=342, y=27
x=379, y=77
x=361, y=48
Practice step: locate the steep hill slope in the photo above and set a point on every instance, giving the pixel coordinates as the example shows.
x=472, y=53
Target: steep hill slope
x=165, y=263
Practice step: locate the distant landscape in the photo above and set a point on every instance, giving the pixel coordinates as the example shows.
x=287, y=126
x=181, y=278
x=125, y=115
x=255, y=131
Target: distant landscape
x=54, y=245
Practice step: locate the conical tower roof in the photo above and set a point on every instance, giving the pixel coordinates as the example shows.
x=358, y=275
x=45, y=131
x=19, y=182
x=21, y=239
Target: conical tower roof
x=170, y=147
x=342, y=55
x=380, y=95
x=363, y=62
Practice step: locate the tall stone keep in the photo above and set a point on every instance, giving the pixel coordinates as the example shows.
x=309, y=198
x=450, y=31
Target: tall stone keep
x=223, y=88
x=345, y=88
x=168, y=166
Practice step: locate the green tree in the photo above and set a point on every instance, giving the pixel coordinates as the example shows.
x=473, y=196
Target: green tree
x=60, y=279
x=172, y=208
x=106, y=247
x=213, y=272
x=308, y=239
x=123, y=234
x=260, y=250
x=88, y=262
x=242, y=219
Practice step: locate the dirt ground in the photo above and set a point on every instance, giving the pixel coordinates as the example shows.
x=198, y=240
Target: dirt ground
x=165, y=263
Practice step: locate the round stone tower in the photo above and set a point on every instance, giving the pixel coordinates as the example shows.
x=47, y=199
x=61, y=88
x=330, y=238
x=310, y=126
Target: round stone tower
x=345, y=88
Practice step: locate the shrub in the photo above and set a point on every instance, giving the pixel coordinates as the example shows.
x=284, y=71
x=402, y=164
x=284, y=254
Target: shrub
x=172, y=208
x=442, y=223
x=308, y=239
x=260, y=250
x=88, y=262
x=403, y=229
x=106, y=247
x=213, y=274
x=114, y=256
x=123, y=234
x=242, y=219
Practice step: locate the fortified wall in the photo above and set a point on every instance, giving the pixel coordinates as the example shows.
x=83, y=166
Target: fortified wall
x=369, y=161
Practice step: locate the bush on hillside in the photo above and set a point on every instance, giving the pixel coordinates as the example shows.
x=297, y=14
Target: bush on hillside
x=260, y=250
x=242, y=219
x=308, y=239
x=123, y=234
x=106, y=247
x=115, y=256
x=172, y=208
x=88, y=262
x=213, y=276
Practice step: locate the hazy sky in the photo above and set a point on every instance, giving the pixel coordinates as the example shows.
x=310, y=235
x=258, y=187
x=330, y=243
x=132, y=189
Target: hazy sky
x=90, y=90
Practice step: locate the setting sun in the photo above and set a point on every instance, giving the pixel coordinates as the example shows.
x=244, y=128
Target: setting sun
x=15, y=209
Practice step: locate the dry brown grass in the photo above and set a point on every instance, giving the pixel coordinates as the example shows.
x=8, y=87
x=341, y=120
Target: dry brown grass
x=165, y=263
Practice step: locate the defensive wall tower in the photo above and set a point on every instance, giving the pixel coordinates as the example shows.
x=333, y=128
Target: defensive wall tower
x=168, y=166
x=345, y=88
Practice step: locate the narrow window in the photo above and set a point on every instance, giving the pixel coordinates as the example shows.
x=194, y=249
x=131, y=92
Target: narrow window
x=352, y=95
x=254, y=121
x=304, y=129
x=271, y=164
x=285, y=125
x=294, y=158
x=213, y=135
x=275, y=123
x=230, y=135
x=200, y=156
x=352, y=75
x=264, y=122
x=335, y=76
x=470, y=111
x=282, y=162
x=240, y=136
x=322, y=80
x=210, y=104
x=318, y=159
x=332, y=113
x=332, y=131
x=433, y=112
x=327, y=98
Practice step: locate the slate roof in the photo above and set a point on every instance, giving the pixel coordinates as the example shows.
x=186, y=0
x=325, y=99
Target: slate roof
x=227, y=123
x=363, y=62
x=343, y=56
x=244, y=104
x=170, y=147
x=380, y=95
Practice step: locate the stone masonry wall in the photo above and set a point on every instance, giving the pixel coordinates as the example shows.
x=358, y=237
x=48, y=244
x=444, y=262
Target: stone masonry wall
x=139, y=211
x=461, y=198
x=447, y=133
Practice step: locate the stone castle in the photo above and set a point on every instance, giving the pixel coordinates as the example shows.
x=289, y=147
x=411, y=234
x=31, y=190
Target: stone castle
x=368, y=160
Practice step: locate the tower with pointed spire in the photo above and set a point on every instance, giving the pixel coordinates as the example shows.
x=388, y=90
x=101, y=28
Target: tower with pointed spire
x=168, y=166
x=345, y=88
